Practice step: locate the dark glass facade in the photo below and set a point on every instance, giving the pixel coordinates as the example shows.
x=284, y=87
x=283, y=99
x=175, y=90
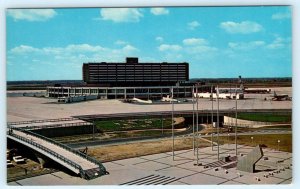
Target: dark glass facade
x=133, y=73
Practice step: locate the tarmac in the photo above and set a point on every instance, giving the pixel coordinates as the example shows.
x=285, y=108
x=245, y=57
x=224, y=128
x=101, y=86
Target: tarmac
x=33, y=108
x=160, y=169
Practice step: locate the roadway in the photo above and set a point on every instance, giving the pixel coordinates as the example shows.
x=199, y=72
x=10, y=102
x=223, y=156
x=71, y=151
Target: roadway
x=188, y=133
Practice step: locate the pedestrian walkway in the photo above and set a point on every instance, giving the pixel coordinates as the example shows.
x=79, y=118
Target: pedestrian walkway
x=79, y=163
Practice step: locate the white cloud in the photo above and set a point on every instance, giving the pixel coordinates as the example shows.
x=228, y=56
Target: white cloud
x=129, y=48
x=121, y=42
x=244, y=27
x=195, y=41
x=278, y=43
x=201, y=49
x=159, y=11
x=197, y=45
x=73, y=53
x=246, y=45
x=159, y=39
x=83, y=48
x=121, y=14
x=193, y=25
x=167, y=47
x=24, y=49
x=281, y=16
x=31, y=14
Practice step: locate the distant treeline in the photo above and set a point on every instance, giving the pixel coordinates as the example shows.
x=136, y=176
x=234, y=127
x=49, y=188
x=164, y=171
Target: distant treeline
x=247, y=82
x=44, y=82
x=41, y=84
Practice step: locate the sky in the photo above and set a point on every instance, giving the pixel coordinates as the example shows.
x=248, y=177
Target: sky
x=217, y=42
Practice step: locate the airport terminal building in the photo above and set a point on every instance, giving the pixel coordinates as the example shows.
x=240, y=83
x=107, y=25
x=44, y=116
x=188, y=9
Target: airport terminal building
x=132, y=73
x=130, y=79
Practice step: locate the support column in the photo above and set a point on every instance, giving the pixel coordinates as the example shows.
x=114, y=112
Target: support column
x=125, y=93
x=161, y=94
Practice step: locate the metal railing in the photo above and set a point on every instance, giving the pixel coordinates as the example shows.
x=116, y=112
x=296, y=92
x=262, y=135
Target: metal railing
x=93, y=160
x=57, y=125
x=41, y=121
x=58, y=156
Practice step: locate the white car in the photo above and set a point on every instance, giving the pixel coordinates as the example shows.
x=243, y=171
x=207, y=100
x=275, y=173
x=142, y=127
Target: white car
x=19, y=159
x=9, y=163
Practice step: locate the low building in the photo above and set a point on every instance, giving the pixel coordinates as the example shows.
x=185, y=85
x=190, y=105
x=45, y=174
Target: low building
x=153, y=92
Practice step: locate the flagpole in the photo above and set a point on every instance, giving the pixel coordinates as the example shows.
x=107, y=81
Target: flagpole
x=218, y=122
x=236, y=153
x=197, y=125
x=172, y=122
x=193, y=119
x=212, y=117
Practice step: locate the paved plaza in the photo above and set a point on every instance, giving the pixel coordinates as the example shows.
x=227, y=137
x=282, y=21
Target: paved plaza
x=160, y=169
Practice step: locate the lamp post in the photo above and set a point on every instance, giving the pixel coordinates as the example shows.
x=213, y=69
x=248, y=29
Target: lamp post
x=278, y=141
x=252, y=141
x=162, y=125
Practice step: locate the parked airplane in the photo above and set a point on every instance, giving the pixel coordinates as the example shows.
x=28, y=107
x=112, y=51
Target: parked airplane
x=168, y=99
x=137, y=100
x=279, y=97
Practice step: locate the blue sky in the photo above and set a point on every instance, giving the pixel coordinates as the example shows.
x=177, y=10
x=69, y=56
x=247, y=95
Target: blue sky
x=52, y=44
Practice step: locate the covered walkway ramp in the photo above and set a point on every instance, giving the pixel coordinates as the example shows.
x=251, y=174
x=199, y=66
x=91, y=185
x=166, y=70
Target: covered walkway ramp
x=79, y=163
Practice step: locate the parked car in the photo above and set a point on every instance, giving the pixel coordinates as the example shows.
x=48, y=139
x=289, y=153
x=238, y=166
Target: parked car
x=9, y=163
x=19, y=159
